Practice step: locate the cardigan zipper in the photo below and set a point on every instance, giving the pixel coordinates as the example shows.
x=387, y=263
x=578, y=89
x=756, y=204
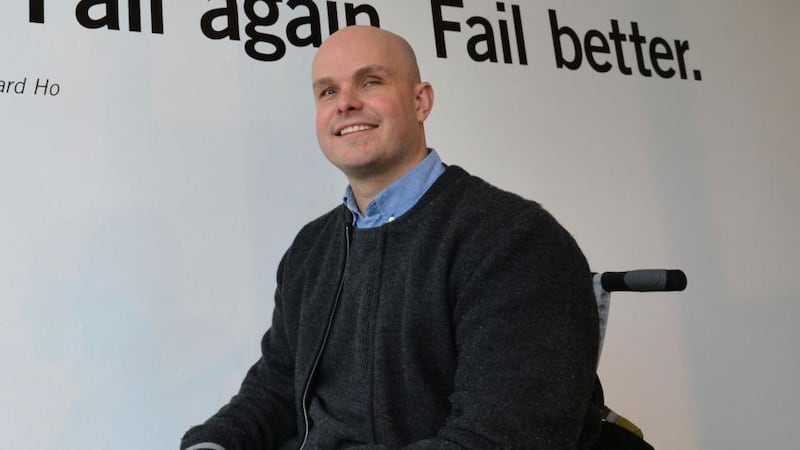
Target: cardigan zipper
x=307, y=389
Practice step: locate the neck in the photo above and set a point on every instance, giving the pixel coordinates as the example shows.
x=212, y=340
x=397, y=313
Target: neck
x=366, y=188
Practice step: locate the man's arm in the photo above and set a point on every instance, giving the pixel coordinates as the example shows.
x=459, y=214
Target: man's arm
x=262, y=414
x=526, y=332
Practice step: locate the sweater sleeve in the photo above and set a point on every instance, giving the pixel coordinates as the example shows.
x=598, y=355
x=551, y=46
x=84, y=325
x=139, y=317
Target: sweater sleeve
x=261, y=415
x=527, y=337
x=526, y=331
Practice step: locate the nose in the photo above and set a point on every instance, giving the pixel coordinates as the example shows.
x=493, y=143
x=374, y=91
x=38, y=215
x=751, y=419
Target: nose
x=347, y=101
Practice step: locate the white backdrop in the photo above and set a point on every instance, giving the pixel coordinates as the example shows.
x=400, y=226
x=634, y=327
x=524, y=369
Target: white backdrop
x=146, y=201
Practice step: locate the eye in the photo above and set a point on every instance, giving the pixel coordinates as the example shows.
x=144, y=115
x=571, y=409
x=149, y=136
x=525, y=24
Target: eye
x=371, y=81
x=327, y=92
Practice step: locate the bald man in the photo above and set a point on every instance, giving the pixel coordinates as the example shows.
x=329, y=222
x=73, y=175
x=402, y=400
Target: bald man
x=430, y=310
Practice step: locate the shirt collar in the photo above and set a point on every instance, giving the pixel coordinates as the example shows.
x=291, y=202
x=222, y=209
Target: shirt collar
x=400, y=196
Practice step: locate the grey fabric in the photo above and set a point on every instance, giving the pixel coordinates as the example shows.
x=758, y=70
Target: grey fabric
x=483, y=334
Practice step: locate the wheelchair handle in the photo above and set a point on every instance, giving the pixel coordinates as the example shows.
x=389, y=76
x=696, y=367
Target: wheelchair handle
x=644, y=280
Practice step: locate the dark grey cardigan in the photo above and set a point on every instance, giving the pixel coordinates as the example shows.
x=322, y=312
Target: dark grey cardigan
x=483, y=332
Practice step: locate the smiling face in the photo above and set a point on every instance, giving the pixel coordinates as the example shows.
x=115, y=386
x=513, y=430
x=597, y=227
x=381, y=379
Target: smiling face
x=370, y=104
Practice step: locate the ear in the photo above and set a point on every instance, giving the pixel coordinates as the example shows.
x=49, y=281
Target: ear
x=423, y=96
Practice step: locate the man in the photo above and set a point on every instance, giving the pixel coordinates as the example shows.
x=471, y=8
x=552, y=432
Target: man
x=431, y=310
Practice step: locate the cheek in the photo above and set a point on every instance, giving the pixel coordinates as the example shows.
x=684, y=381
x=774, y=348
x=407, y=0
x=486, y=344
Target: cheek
x=399, y=110
x=322, y=124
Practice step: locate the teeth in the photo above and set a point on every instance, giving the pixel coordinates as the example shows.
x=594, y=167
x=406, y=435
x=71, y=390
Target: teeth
x=354, y=128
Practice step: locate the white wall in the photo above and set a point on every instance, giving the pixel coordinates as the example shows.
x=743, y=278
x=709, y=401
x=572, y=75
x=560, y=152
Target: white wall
x=145, y=207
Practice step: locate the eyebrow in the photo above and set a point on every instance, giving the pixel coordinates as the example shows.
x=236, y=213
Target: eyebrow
x=366, y=70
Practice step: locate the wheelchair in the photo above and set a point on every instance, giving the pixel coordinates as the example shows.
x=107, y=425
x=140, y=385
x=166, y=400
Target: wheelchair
x=617, y=432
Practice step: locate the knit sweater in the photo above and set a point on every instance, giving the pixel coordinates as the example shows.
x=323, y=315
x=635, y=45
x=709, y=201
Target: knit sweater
x=481, y=331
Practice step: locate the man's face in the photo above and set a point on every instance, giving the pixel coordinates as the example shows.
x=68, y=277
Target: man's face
x=368, y=116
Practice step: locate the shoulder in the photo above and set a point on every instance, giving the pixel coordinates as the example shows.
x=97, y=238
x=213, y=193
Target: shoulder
x=337, y=218
x=476, y=202
x=471, y=222
x=318, y=237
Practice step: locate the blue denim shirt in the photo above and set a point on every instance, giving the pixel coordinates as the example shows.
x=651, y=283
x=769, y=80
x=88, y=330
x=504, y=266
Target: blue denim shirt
x=398, y=197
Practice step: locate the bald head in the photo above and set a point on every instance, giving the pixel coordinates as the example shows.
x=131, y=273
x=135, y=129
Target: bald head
x=345, y=42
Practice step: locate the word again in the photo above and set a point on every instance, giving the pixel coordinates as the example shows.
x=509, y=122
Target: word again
x=300, y=31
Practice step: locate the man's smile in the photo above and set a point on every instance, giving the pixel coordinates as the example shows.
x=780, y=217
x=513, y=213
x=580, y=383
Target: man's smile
x=354, y=128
